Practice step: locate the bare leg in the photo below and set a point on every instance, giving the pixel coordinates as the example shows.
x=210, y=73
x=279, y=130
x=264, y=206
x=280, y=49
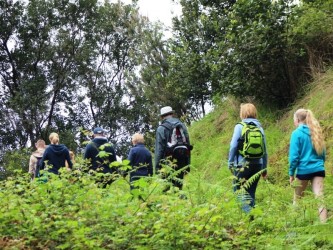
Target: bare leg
x=299, y=190
x=318, y=190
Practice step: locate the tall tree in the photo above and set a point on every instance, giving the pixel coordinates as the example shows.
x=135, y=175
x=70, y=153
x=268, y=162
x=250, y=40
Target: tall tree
x=63, y=66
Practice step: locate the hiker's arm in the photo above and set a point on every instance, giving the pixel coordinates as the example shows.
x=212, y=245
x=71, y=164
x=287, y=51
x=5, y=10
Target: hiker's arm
x=293, y=154
x=32, y=165
x=131, y=157
x=186, y=134
x=150, y=166
x=112, y=155
x=87, y=150
x=234, y=145
x=159, y=147
x=68, y=160
x=265, y=157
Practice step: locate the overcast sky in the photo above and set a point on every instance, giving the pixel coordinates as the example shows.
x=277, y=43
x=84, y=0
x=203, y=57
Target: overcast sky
x=158, y=10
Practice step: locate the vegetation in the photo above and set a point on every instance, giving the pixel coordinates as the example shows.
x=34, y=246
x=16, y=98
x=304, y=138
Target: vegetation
x=71, y=66
x=71, y=212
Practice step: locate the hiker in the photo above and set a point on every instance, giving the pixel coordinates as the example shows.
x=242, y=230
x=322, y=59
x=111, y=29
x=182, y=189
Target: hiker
x=307, y=157
x=140, y=159
x=241, y=165
x=97, y=163
x=166, y=148
x=55, y=155
x=35, y=158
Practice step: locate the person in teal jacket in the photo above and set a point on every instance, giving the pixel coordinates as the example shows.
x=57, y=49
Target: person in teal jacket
x=307, y=157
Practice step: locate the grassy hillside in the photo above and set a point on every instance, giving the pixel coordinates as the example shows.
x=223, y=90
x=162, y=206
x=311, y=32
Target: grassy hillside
x=211, y=137
x=212, y=134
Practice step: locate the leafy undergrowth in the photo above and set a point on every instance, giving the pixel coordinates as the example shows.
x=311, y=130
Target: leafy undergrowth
x=71, y=212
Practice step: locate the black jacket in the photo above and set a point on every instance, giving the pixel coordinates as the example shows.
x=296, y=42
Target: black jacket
x=140, y=161
x=56, y=155
x=100, y=164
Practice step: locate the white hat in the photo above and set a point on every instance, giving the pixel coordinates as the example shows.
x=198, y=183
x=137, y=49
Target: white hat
x=166, y=110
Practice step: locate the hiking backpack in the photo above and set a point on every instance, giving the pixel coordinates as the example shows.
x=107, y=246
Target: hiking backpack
x=177, y=145
x=38, y=166
x=251, y=143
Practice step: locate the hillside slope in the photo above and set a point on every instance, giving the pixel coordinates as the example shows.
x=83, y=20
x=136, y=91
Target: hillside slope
x=211, y=136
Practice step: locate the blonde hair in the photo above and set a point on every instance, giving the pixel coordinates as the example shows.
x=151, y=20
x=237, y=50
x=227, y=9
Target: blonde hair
x=306, y=116
x=247, y=110
x=54, y=138
x=40, y=144
x=72, y=155
x=137, y=138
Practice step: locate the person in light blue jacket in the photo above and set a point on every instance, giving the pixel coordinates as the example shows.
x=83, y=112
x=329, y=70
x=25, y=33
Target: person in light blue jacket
x=307, y=157
x=243, y=169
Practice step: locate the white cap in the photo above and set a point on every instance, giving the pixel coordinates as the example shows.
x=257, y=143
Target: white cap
x=166, y=110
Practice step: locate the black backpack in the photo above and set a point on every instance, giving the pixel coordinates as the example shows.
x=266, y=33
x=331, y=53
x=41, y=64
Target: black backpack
x=178, y=147
x=38, y=166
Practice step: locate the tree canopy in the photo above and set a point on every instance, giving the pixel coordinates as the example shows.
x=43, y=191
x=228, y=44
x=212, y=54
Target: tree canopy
x=71, y=65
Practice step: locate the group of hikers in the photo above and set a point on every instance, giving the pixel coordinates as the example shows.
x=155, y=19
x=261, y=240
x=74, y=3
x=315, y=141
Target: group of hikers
x=172, y=147
x=247, y=155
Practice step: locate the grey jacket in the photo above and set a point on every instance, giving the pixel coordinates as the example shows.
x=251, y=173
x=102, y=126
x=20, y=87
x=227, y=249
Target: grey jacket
x=162, y=135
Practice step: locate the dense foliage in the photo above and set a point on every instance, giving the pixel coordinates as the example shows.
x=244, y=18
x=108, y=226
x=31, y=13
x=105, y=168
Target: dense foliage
x=63, y=67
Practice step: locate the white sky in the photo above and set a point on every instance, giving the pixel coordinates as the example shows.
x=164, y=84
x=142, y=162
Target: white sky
x=158, y=10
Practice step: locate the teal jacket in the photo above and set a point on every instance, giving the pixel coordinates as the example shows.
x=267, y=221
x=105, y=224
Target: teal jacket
x=302, y=155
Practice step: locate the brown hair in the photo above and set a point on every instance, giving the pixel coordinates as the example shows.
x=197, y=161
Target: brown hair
x=306, y=116
x=54, y=138
x=247, y=110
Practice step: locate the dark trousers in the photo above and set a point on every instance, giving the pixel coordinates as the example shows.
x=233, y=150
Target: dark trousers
x=177, y=179
x=242, y=175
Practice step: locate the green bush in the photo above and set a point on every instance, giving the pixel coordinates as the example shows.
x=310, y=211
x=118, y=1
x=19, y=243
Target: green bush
x=13, y=162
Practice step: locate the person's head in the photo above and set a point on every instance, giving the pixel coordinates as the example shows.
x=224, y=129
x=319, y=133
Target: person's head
x=305, y=116
x=248, y=110
x=166, y=111
x=99, y=132
x=137, y=138
x=40, y=144
x=54, y=138
x=300, y=116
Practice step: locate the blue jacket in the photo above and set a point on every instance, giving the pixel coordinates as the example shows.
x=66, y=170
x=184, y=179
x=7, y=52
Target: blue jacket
x=56, y=155
x=100, y=164
x=234, y=157
x=140, y=160
x=162, y=136
x=302, y=155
